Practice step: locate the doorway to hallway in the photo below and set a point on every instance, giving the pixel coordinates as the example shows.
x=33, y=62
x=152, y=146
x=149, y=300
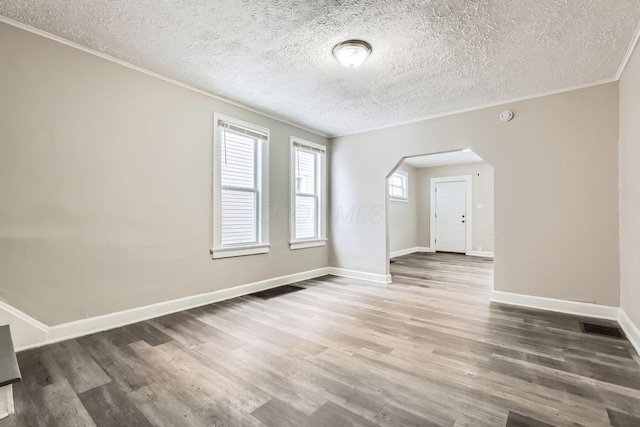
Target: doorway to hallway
x=441, y=203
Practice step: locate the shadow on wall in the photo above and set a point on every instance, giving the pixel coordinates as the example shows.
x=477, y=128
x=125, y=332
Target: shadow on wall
x=441, y=202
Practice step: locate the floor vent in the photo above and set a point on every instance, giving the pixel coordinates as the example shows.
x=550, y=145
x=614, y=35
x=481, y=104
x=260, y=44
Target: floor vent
x=610, y=331
x=276, y=292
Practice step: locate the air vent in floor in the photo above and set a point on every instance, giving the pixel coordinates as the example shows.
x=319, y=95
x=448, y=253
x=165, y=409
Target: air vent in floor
x=610, y=331
x=276, y=292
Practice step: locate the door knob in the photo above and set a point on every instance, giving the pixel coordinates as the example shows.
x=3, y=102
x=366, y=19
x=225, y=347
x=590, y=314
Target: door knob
x=463, y=221
x=462, y=216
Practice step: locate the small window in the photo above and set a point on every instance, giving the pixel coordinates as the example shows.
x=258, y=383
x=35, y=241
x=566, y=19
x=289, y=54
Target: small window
x=398, y=186
x=308, y=194
x=240, y=183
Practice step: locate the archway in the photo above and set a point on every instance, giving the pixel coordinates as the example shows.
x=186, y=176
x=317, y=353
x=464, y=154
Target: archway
x=457, y=221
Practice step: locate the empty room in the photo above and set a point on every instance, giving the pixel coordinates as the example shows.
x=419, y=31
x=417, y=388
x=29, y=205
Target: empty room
x=319, y=213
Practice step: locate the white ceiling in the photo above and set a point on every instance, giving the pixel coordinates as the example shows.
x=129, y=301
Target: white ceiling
x=429, y=57
x=443, y=159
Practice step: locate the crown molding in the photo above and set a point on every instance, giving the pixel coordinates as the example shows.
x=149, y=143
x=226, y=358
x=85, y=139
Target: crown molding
x=154, y=74
x=479, y=107
x=299, y=126
x=627, y=56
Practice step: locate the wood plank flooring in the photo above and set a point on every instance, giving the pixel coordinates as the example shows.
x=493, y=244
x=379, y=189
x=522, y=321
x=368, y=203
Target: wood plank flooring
x=427, y=350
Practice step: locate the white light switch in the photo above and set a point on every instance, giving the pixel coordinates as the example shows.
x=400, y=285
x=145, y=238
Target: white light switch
x=480, y=206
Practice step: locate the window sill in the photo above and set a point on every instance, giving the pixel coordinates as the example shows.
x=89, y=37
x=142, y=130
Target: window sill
x=239, y=251
x=398, y=199
x=303, y=244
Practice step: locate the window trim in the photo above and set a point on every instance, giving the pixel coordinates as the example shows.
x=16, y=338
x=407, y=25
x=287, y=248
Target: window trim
x=262, y=175
x=406, y=189
x=321, y=239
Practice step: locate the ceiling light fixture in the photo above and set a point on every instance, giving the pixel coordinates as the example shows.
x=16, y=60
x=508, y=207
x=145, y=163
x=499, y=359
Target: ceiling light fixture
x=352, y=53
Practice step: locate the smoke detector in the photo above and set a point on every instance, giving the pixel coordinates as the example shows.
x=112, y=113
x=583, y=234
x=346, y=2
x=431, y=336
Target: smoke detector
x=506, y=115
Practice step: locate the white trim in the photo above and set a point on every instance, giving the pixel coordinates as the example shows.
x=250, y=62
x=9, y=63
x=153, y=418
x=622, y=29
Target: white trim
x=301, y=244
x=23, y=317
x=239, y=251
x=154, y=74
x=416, y=249
x=91, y=325
x=291, y=123
x=402, y=252
x=217, y=117
x=486, y=254
x=478, y=107
x=262, y=177
x=65, y=331
x=425, y=249
x=361, y=275
x=309, y=144
x=557, y=305
x=630, y=329
x=321, y=239
x=126, y=317
x=468, y=210
x=629, y=52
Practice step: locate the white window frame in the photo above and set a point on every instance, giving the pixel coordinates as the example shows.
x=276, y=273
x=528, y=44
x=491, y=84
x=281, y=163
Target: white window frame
x=262, y=177
x=321, y=188
x=405, y=175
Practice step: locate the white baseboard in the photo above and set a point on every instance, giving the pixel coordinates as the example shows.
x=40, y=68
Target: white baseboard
x=23, y=316
x=353, y=274
x=25, y=330
x=558, y=305
x=485, y=254
x=402, y=252
x=409, y=251
x=424, y=249
x=65, y=331
x=91, y=325
x=630, y=329
x=29, y=332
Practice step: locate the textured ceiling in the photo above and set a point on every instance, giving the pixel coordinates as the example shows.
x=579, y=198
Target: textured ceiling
x=442, y=159
x=429, y=57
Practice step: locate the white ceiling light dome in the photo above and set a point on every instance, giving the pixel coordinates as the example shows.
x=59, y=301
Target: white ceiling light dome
x=352, y=53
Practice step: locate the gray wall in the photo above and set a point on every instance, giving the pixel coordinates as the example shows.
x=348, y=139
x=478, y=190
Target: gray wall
x=105, y=182
x=403, y=216
x=556, y=189
x=630, y=189
x=481, y=192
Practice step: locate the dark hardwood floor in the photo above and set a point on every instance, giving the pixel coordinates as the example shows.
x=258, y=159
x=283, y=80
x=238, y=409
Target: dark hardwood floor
x=427, y=350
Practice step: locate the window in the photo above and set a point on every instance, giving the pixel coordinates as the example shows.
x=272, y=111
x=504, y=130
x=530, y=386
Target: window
x=398, y=186
x=240, y=188
x=308, y=194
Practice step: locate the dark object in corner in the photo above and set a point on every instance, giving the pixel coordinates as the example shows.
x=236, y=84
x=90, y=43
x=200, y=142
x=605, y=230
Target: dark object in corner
x=9, y=370
x=276, y=292
x=609, y=331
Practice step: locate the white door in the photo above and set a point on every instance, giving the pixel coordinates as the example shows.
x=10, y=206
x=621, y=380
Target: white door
x=450, y=218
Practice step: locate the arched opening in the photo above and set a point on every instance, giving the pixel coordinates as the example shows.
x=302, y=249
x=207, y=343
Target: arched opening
x=440, y=219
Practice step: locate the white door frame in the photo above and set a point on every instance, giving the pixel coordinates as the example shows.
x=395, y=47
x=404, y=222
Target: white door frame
x=469, y=210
